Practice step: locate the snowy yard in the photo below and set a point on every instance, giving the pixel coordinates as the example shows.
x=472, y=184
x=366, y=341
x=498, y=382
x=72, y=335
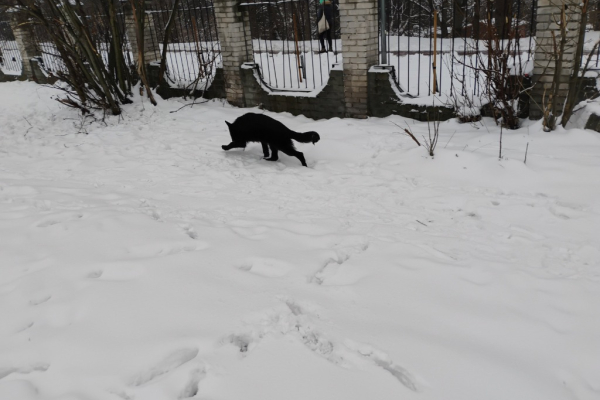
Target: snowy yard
x=141, y=262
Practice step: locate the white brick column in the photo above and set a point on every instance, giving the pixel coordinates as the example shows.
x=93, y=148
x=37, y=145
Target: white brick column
x=23, y=33
x=358, y=23
x=236, y=46
x=548, y=14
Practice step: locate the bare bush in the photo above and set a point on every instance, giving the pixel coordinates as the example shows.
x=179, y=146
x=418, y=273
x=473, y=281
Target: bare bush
x=72, y=26
x=433, y=131
x=497, y=71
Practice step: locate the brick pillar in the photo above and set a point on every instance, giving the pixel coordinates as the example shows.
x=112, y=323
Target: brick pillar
x=358, y=23
x=548, y=14
x=25, y=42
x=151, y=48
x=234, y=36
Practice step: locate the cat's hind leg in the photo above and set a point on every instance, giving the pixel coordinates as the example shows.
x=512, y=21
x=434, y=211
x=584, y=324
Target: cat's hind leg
x=295, y=153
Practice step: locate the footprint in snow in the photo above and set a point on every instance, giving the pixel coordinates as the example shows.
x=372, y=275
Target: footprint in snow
x=252, y=233
x=381, y=359
x=40, y=300
x=171, y=362
x=334, y=272
x=37, y=367
x=18, y=389
x=192, y=386
x=166, y=249
x=95, y=274
x=58, y=218
x=24, y=328
x=267, y=267
x=191, y=232
x=118, y=271
x=296, y=321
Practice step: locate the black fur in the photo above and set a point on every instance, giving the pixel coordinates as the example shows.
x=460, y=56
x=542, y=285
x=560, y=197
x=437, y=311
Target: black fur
x=270, y=133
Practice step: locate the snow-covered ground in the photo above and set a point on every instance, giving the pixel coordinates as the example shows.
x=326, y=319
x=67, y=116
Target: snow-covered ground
x=141, y=262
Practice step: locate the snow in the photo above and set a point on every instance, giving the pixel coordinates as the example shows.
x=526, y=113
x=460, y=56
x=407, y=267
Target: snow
x=140, y=261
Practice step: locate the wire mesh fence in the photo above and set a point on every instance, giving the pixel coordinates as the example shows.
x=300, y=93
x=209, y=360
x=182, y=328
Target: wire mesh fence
x=441, y=45
x=286, y=43
x=10, y=57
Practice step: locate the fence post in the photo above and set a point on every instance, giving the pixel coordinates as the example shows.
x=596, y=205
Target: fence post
x=548, y=14
x=233, y=27
x=24, y=37
x=382, y=33
x=358, y=23
x=151, y=50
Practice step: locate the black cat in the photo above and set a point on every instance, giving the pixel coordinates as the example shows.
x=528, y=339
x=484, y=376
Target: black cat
x=270, y=133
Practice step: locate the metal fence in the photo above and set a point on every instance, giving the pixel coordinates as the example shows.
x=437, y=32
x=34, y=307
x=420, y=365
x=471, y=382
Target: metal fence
x=10, y=57
x=193, y=50
x=442, y=44
x=287, y=46
x=443, y=48
x=591, y=55
x=51, y=59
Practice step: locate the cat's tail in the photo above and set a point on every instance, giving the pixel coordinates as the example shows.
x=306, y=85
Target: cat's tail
x=306, y=137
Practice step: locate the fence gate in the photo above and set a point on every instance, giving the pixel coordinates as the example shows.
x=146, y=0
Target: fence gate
x=286, y=44
x=10, y=57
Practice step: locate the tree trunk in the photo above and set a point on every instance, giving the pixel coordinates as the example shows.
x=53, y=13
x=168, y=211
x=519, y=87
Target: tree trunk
x=167, y=35
x=458, y=22
x=575, y=79
x=503, y=18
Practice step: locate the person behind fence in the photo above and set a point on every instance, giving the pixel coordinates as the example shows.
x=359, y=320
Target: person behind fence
x=325, y=24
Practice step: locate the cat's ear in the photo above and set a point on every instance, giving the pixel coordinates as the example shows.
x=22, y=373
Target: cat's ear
x=228, y=124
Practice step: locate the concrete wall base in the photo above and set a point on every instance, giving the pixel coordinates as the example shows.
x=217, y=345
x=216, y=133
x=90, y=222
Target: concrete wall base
x=383, y=100
x=216, y=90
x=328, y=103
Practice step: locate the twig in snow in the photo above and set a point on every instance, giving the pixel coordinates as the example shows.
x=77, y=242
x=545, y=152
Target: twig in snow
x=420, y=222
x=31, y=126
x=527, y=148
x=449, y=139
x=408, y=132
x=188, y=105
x=481, y=147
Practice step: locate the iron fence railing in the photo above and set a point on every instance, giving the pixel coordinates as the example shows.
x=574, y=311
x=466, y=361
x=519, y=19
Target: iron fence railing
x=51, y=59
x=193, y=50
x=10, y=57
x=444, y=43
x=286, y=44
x=591, y=53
